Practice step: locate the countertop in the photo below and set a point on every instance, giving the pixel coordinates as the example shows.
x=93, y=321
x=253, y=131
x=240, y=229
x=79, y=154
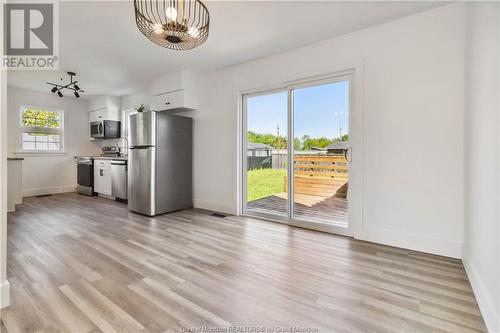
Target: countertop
x=120, y=158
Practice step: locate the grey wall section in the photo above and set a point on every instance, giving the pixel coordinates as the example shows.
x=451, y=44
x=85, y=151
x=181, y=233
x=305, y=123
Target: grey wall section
x=481, y=252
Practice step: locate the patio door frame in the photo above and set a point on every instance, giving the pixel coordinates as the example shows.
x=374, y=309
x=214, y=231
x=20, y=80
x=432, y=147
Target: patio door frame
x=289, y=87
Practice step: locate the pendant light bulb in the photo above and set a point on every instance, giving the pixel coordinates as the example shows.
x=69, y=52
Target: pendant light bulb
x=171, y=13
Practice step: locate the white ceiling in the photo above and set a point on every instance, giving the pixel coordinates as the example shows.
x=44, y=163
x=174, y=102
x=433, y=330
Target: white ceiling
x=101, y=43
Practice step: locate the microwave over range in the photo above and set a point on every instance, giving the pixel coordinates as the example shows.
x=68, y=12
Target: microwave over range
x=105, y=129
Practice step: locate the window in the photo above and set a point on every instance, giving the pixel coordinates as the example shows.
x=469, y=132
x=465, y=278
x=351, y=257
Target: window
x=41, y=130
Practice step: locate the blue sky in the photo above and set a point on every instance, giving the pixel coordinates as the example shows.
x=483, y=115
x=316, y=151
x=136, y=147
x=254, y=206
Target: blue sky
x=317, y=111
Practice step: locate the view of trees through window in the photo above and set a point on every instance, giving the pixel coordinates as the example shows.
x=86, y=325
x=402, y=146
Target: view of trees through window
x=304, y=143
x=41, y=130
x=41, y=118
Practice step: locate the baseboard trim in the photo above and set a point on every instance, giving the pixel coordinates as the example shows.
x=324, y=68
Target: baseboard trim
x=4, y=294
x=214, y=206
x=491, y=318
x=30, y=192
x=441, y=247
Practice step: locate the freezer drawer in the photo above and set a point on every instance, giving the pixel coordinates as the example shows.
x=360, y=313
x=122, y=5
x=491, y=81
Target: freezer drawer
x=119, y=179
x=141, y=176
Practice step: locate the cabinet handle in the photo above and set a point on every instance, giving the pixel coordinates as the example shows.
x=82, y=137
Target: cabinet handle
x=167, y=103
x=101, y=172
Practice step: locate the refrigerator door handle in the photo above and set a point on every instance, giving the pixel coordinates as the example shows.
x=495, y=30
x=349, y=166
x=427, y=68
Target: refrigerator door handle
x=141, y=147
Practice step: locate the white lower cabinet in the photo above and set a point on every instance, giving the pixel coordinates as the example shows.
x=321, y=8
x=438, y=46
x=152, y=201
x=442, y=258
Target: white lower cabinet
x=102, y=177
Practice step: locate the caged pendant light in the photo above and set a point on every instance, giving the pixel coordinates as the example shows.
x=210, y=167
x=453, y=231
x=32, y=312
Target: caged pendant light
x=174, y=24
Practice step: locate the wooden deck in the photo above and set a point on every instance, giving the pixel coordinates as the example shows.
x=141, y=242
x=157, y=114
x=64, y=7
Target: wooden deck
x=329, y=210
x=320, y=191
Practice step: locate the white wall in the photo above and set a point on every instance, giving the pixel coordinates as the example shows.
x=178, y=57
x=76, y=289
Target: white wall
x=412, y=128
x=55, y=173
x=481, y=251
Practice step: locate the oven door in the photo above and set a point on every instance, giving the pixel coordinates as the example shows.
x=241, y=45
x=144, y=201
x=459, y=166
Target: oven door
x=96, y=129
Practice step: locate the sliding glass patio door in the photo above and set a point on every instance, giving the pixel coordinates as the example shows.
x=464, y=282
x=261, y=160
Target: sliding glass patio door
x=296, y=146
x=266, y=160
x=321, y=147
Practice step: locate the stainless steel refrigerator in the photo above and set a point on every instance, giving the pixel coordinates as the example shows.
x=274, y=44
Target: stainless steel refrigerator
x=160, y=163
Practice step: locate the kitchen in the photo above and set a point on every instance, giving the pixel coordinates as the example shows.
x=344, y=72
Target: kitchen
x=104, y=170
x=153, y=171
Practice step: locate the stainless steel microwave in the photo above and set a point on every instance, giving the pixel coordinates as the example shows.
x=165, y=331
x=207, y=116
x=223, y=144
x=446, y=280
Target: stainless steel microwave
x=105, y=129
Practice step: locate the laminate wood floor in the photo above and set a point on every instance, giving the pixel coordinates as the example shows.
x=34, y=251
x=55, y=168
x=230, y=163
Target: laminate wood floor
x=80, y=264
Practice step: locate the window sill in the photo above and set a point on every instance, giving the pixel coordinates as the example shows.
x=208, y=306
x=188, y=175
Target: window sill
x=40, y=153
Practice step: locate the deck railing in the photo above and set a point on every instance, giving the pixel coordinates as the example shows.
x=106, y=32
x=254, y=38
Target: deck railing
x=320, y=175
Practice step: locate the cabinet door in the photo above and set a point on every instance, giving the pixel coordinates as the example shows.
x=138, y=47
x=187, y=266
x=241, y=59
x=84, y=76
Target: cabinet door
x=100, y=114
x=97, y=180
x=160, y=102
x=102, y=177
x=167, y=101
x=175, y=100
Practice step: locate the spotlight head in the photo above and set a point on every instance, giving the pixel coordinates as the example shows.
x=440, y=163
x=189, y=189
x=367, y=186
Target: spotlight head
x=77, y=87
x=54, y=89
x=60, y=94
x=77, y=94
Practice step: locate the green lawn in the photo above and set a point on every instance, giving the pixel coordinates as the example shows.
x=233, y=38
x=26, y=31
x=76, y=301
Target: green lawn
x=264, y=182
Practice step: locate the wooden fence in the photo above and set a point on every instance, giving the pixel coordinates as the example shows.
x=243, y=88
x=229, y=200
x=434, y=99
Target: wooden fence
x=280, y=160
x=259, y=162
x=320, y=175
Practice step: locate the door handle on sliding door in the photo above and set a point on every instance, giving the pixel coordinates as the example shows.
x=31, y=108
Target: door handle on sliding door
x=348, y=153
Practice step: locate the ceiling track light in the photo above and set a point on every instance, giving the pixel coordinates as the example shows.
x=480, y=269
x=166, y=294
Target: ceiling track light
x=70, y=86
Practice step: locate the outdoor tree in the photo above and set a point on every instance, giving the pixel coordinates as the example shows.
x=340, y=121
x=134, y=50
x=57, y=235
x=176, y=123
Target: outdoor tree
x=304, y=143
x=40, y=118
x=309, y=143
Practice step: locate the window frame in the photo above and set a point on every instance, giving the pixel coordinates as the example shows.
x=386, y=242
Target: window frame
x=20, y=129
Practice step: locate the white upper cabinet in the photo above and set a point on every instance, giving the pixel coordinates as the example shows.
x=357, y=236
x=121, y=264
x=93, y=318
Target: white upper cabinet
x=104, y=108
x=174, y=92
x=175, y=100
